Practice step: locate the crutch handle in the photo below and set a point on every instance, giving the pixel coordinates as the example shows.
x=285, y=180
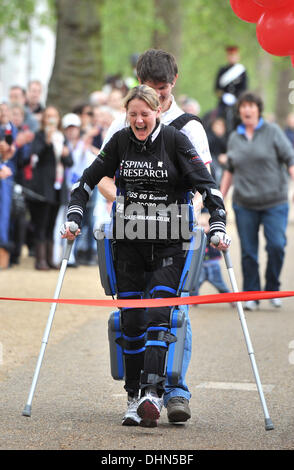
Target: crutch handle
x=73, y=227
x=215, y=240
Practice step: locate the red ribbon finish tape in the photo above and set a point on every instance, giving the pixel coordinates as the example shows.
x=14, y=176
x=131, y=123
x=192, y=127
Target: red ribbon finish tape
x=166, y=302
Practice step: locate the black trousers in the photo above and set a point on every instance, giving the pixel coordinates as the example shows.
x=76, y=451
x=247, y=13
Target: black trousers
x=43, y=217
x=146, y=269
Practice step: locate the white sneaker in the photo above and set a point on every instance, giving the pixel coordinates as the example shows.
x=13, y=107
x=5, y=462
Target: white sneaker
x=131, y=417
x=149, y=409
x=276, y=302
x=251, y=305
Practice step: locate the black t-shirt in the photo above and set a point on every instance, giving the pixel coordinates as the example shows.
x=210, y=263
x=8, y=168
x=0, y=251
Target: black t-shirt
x=151, y=178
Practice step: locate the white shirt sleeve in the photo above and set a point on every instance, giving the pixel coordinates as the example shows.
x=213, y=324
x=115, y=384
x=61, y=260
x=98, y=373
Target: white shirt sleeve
x=197, y=136
x=116, y=125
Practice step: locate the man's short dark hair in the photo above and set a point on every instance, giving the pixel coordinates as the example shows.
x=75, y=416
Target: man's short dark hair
x=250, y=97
x=156, y=65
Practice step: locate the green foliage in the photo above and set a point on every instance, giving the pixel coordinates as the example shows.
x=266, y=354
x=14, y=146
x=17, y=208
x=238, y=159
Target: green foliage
x=17, y=16
x=208, y=27
x=128, y=27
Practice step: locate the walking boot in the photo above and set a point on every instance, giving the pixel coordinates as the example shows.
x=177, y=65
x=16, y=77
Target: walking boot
x=49, y=255
x=41, y=263
x=178, y=410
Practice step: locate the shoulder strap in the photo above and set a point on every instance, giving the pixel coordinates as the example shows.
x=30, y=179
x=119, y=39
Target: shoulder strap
x=123, y=138
x=183, y=119
x=169, y=141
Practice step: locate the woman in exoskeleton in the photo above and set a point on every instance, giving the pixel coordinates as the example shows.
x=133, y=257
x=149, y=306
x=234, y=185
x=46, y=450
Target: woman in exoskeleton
x=154, y=166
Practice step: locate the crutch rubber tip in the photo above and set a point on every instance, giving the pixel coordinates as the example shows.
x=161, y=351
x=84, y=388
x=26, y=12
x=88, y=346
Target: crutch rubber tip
x=27, y=410
x=269, y=424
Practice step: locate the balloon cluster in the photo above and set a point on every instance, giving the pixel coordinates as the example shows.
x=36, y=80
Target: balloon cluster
x=274, y=23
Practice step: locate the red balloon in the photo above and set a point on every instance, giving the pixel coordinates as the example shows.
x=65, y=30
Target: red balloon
x=275, y=31
x=272, y=4
x=247, y=10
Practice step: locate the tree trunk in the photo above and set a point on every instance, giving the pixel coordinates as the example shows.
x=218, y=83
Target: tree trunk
x=264, y=70
x=77, y=69
x=283, y=100
x=168, y=35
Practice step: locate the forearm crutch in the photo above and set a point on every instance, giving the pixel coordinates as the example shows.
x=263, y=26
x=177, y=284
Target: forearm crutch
x=67, y=251
x=268, y=422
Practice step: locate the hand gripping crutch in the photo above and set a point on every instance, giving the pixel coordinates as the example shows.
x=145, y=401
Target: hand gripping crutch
x=268, y=422
x=28, y=407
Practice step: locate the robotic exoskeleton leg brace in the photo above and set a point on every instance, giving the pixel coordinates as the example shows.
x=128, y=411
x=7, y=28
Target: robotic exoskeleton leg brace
x=165, y=338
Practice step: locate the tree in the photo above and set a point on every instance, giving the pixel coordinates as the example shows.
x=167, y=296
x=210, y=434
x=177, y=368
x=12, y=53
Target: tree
x=167, y=33
x=283, y=104
x=78, y=63
x=15, y=17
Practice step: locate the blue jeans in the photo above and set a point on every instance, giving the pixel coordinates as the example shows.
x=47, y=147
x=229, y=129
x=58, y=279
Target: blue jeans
x=274, y=221
x=211, y=272
x=6, y=186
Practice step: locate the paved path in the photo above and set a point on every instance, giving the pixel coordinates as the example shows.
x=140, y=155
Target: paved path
x=78, y=406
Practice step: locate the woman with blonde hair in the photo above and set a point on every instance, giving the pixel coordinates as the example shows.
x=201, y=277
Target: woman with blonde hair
x=154, y=165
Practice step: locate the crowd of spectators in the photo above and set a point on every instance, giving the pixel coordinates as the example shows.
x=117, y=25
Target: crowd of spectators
x=42, y=154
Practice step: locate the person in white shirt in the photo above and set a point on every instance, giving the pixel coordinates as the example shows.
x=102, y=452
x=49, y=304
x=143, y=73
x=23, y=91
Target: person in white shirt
x=83, y=156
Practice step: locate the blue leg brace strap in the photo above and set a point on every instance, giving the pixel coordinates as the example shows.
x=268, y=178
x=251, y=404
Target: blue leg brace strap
x=132, y=344
x=159, y=336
